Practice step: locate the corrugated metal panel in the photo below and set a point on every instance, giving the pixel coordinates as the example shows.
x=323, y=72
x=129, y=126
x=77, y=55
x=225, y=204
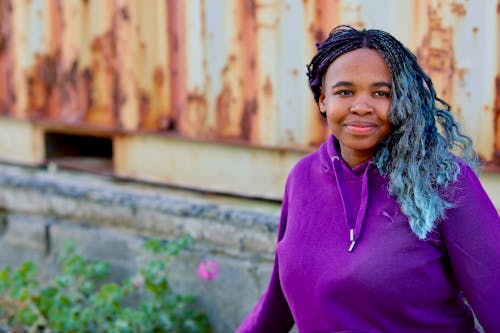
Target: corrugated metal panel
x=6, y=84
x=143, y=65
x=228, y=71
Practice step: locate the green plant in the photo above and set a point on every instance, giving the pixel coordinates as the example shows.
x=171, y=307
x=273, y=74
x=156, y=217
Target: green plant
x=78, y=300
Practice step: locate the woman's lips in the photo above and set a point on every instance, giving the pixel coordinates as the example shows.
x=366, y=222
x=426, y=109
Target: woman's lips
x=361, y=127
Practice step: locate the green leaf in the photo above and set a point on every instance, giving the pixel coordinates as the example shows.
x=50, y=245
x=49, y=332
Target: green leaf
x=154, y=245
x=26, y=316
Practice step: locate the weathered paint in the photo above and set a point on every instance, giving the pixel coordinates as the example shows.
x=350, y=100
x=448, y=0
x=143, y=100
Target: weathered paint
x=220, y=69
x=248, y=44
x=317, y=23
x=7, y=97
x=29, y=150
x=253, y=171
x=436, y=53
x=143, y=73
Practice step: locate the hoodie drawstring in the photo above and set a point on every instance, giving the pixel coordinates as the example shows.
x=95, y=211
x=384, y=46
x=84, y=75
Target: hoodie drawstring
x=354, y=230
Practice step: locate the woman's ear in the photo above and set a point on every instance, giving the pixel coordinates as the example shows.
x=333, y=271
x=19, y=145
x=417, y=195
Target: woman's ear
x=321, y=102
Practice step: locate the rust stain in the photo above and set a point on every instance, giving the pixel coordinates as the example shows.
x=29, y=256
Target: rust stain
x=86, y=96
x=326, y=16
x=117, y=100
x=125, y=13
x=248, y=49
x=268, y=87
x=51, y=71
x=152, y=113
x=5, y=24
x=247, y=119
x=461, y=72
x=458, y=8
x=7, y=91
x=198, y=104
x=323, y=16
x=71, y=90
x=177, y=64
x=158, y=77
x=40, y=82
x=228, y=104
x=166, y=123
x=194, y=118
x=359, y=24
x=144, y=107
x=316, y=32
x=458, y=113
x=159, y=118
x=105, y=96
x=223, y=109
x=475, y=30
x=251, y=7
x=319, y=35
x=436, y=54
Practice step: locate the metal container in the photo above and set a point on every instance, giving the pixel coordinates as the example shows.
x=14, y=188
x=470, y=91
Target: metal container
x=226, y=72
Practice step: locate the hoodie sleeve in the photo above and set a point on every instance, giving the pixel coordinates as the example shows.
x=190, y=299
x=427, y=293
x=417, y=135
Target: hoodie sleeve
x=471, y=233
x=271, y=313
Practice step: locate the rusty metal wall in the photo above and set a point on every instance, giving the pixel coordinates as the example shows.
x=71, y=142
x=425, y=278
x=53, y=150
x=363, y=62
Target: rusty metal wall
x=228, y=71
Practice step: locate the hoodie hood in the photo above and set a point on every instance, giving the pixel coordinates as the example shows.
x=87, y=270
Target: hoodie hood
x=334, y=166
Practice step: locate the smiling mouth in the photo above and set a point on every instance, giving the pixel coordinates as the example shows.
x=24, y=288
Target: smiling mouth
x=360, y=127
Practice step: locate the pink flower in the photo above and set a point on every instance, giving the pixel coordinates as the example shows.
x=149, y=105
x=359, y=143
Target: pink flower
x=208, y=269
x=139, y=281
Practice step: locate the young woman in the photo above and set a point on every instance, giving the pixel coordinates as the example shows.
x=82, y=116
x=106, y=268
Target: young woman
x=382, y=229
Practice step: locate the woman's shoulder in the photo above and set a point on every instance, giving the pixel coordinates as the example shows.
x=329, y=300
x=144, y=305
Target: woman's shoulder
x=311, y=162
x=467, y=189
x=307, y=161
x=306, y=169
x=466, y=173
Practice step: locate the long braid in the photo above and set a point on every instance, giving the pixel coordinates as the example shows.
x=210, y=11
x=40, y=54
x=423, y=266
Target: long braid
x=416, y=156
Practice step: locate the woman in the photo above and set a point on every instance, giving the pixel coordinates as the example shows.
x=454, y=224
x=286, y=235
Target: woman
x=382, y=228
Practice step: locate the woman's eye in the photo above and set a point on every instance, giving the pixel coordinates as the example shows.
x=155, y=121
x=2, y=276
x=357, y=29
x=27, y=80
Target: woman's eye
x=343, y=92
x=382, y=94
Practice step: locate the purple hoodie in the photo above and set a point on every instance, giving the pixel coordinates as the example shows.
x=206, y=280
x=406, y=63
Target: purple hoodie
x=390, y=281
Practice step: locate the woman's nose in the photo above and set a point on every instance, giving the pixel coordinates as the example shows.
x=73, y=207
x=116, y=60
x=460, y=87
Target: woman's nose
x=361, y=108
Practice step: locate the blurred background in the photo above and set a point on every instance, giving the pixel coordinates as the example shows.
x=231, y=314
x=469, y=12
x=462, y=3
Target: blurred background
x=122, y=119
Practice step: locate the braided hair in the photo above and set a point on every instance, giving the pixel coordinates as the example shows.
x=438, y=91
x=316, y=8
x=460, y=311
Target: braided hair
x=416, y=156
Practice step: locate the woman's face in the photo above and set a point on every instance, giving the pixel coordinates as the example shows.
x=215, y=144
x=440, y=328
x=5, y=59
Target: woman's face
x=356, y=97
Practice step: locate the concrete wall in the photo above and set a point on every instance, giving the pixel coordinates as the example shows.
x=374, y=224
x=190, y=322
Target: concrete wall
x=110, y=219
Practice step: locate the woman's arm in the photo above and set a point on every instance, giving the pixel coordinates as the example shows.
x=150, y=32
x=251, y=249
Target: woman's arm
x=471, y=233
x=271, y=313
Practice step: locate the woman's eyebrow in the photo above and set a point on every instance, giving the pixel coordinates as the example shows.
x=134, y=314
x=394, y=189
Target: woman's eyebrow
x=382, y=84
x=350, y=84
x=342, y=83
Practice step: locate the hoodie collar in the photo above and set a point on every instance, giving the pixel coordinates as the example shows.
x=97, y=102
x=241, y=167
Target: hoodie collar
x=335, y=166
x=329, y=149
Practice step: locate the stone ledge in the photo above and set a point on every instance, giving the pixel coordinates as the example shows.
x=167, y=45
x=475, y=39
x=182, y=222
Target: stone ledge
x=236, y=226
